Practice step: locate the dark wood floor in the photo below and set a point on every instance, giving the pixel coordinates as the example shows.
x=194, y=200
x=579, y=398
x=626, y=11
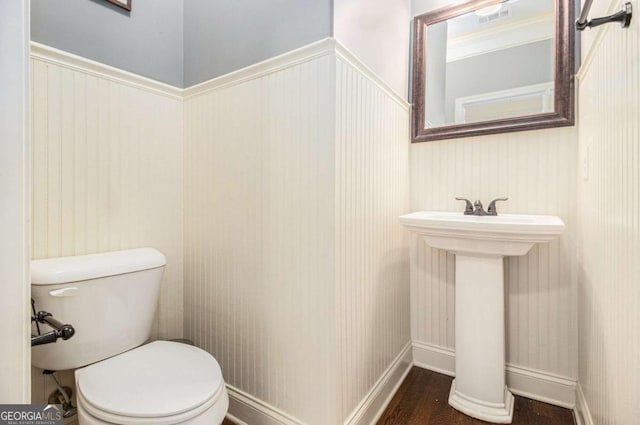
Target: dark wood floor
x=422, y=400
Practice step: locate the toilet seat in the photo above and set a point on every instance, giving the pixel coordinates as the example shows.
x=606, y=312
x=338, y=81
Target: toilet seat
x=160, y=383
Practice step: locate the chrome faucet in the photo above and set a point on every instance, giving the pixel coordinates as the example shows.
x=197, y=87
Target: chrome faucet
x=477, y=209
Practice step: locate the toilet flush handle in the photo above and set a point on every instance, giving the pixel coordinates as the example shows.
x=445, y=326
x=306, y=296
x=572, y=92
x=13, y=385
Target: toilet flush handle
x=64, y=292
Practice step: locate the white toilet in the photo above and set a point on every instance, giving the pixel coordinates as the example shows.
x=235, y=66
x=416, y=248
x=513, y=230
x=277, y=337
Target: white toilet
x=110, y=299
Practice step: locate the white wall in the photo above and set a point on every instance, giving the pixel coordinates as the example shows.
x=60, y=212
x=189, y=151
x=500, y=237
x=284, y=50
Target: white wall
x=296, y=268
x=15, y=312
x=106, y=170
x=609, y=227
x=418, y=7
x=377, y=32
x=259, y=234
x=371, y=252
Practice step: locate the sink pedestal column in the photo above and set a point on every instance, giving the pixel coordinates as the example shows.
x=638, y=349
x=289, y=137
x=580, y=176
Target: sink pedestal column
x=479, y=389
x=480, y=244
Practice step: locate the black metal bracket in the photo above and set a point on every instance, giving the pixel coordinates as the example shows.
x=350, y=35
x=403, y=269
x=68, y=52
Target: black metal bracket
x=623, y=17
x=60, y=330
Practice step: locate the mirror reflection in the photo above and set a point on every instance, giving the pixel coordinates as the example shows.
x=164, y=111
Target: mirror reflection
x=492, y=63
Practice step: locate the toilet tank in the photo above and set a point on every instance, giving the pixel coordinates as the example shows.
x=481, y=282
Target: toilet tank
x=110, y=299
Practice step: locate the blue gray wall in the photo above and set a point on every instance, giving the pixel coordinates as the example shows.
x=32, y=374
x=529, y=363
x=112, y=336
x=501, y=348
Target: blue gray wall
x=180, y=42
x=225, y=35
x=147, y=41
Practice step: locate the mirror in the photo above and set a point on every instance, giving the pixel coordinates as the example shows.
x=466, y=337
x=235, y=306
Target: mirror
x=488, y=66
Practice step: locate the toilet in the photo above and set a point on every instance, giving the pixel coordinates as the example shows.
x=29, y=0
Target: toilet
x=111, y=299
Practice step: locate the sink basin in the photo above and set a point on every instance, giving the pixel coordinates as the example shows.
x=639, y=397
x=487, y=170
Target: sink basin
x=505, y=234
x=480, y=244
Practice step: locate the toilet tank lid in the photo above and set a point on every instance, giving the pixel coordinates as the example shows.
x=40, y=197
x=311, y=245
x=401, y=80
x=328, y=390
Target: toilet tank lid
x=54, y=271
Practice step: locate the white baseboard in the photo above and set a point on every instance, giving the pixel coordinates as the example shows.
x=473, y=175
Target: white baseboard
x=581, y=413
x=542, y=386
x=244, y=409
x=534, y=384
x=437, y=359
x=373, y=405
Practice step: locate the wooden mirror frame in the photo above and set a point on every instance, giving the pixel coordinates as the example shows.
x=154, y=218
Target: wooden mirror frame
x=125, y=4
x=563, y=114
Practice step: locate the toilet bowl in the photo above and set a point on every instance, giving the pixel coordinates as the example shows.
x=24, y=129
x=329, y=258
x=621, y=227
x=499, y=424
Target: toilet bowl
x=111, y=300
x=160, y=383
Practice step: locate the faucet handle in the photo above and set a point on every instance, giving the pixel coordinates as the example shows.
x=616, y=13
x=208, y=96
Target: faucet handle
x=492, y=206
x=468, y=209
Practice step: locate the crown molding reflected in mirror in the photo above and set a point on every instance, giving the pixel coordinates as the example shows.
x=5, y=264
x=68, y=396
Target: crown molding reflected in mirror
x=558, y=93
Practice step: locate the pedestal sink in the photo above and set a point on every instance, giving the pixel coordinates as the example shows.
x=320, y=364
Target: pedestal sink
x=480, y=244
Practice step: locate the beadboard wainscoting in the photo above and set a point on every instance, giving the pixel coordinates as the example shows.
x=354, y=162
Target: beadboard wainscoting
x=609, y=225
x=371, y=250
x=106, y=171
x=259, y=235
x=536, y=170
x=295, y=265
